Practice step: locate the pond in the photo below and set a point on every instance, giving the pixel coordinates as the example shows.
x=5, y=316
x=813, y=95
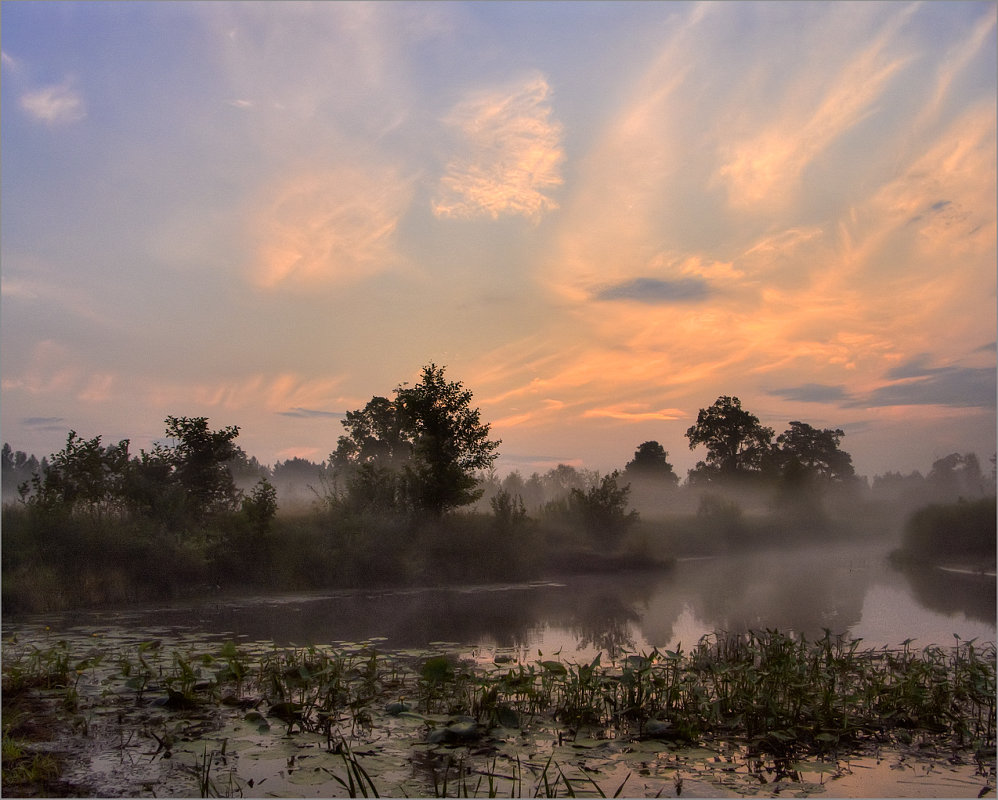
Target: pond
x=845, y=590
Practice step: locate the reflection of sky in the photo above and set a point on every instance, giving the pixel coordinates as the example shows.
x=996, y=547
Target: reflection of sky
x=890, y=617
x=600, y=216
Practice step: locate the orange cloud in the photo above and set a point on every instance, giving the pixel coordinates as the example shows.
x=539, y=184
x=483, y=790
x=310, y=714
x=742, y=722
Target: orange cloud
x=631, y=412
x=332, y=226
x=765, y=167
x=509, y=153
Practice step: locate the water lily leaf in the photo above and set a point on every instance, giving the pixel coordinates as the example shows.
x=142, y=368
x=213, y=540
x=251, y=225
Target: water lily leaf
x=507, y=717
x=554, y=667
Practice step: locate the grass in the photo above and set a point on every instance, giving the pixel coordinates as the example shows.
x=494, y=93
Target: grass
x=779, y=695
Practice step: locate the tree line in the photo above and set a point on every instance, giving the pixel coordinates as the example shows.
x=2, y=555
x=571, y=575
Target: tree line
x=98, y=523
x=426, y=451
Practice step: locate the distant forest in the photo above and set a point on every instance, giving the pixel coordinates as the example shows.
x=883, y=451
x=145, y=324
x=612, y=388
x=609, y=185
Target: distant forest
x=410, y=495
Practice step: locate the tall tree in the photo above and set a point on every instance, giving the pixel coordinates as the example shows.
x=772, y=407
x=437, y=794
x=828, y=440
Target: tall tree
x=419, y=450
x=737, y=443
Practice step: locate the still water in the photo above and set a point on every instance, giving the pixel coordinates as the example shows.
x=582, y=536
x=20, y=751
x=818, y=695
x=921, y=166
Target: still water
x=847, y=590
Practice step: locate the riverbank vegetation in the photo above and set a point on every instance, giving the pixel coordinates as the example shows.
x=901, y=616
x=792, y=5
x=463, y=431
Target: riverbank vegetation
x=410, y=496
x=959, y=535
x=361, y=721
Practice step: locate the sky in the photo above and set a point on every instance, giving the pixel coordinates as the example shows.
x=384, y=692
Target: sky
x=598, y=216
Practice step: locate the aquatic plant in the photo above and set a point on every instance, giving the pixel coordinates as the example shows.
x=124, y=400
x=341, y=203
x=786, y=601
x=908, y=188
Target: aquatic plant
x=777, y=696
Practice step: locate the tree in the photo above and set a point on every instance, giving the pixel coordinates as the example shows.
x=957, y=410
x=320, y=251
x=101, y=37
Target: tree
x=85, y=476
x=603, y=510
x=17, y=468
x=260, y=506
x=651, y=463
x=198, y=457
x=806, y=452
x=956, y=475
x=419, y=450
x=737, y=444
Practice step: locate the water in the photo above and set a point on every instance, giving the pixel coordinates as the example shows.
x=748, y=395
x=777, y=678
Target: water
x=847, y=590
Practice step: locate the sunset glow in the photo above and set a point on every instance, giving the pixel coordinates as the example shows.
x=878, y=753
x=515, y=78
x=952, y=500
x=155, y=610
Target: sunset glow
x=599, y=216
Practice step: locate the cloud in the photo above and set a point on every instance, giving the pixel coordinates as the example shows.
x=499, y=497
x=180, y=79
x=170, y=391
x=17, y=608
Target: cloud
x=45, y=423
x=916, y=367
x=655, y=291
x=331, y=226
x=311, y=413
x=634, y=412
x=508, y=154
x=765, y=167
x=54, y=105
x=812, y=393
x=959, y=387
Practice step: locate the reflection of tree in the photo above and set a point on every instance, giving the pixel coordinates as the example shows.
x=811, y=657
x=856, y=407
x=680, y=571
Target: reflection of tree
x=951, y=593
x=801, y=589
x=603, y=623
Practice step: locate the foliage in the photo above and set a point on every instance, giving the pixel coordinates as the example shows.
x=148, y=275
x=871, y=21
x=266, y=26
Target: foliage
x=651, y=462
x=261, y=506
x=509, y=511
x=957, y=474
x=737, y=443
x=85, y=476
x=808, y=453
x=198, y=457
x=768, y=693
x=962, y=533
x=418, y=451
x=603, y=510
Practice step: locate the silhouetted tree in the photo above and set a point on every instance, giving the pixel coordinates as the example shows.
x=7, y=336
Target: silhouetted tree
x=84, y=476
x=736, y=442
x=603, y=510
x=651, y=462
x=419, y=450
x=260, y=506
x=956, y=475
x=806, y=452
x=198, y=457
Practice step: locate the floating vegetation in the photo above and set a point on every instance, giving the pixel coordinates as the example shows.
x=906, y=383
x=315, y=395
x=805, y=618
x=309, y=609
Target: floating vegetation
x=738, y=710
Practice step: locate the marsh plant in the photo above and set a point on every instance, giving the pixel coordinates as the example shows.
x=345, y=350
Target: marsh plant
x=780, y=696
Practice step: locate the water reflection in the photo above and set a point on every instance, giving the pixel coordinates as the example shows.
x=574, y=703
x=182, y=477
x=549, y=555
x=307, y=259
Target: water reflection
x=950, y=593
x=805, y=591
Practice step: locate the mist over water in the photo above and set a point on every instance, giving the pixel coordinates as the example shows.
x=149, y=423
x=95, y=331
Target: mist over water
x=848, y=589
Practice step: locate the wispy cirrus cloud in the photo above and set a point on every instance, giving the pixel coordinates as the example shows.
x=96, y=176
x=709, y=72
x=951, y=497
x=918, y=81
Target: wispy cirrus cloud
x=765, y=167
x=508, y=154
x=330, y=226
x=635, y=412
